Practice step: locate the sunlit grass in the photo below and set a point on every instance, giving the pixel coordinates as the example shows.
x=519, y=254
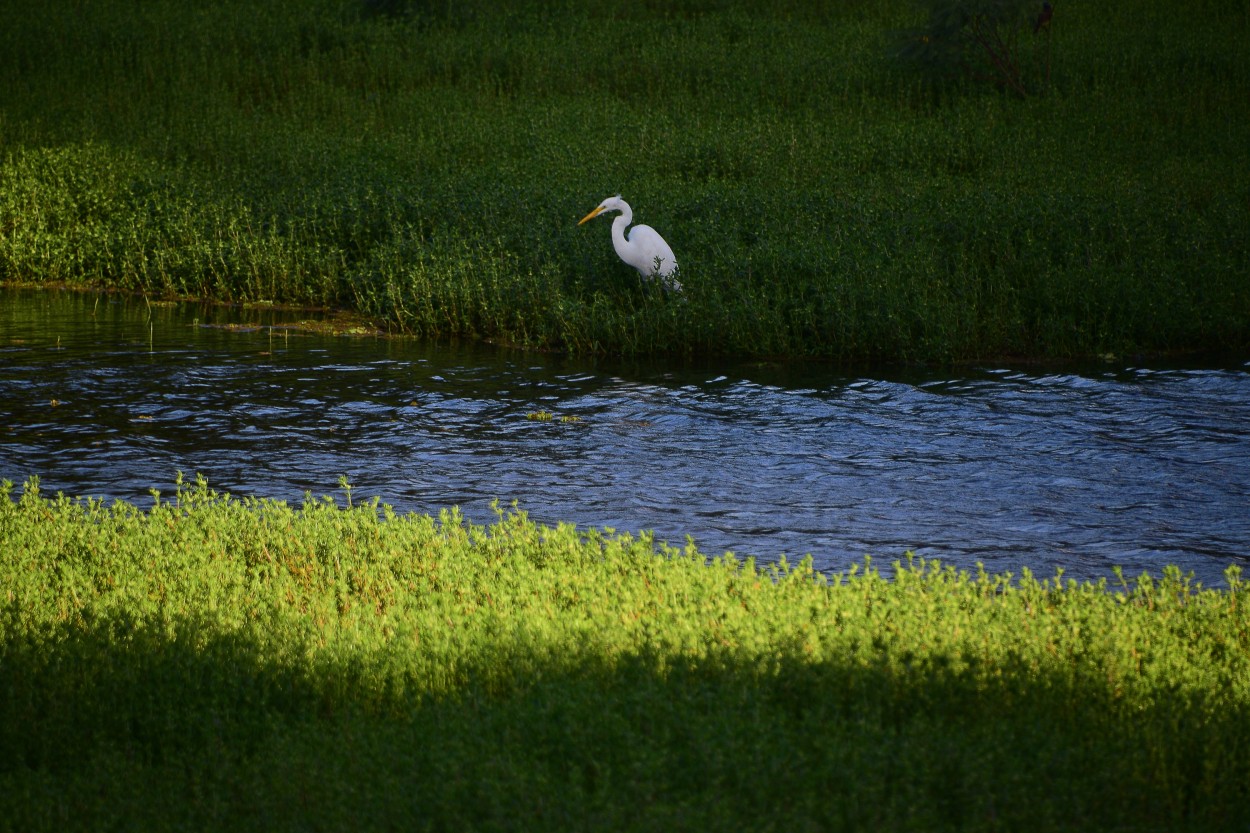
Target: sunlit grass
x=215, y=663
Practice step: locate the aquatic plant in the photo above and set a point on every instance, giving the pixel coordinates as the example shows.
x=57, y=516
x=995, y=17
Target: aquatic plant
x=427, y=168
x=983, y=40
x=212, y=662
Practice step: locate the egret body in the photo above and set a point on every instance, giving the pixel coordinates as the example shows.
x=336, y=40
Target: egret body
x=642, y=248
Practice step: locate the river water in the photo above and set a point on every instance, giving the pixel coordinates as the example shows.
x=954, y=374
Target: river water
x=1134, y=467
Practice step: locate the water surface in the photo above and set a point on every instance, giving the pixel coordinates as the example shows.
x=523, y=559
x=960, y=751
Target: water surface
x=1128, y=466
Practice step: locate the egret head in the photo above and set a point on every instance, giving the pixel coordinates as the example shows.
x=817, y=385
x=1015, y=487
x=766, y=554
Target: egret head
x=610, y=204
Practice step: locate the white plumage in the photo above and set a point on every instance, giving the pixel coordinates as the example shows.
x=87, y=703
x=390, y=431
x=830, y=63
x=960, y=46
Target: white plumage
x=642, y=247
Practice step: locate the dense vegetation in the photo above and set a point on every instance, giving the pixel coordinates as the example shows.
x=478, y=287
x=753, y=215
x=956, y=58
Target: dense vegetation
x=425, y=163
x=837, y=184
x=211, y=663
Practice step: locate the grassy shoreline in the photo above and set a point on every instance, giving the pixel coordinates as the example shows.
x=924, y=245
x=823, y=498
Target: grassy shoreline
x=427, y=171
x=217, y=663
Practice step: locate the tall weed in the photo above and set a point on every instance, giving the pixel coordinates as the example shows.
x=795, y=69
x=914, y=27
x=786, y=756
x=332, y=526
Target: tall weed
x=399, y=157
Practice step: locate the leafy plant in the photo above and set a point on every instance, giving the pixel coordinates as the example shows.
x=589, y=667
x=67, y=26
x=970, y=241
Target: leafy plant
x=213, y=663
x=981, y=39
x=426, y=169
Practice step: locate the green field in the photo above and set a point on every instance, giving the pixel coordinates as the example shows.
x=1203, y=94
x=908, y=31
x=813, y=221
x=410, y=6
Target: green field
x=211, y=663
x=426, y=164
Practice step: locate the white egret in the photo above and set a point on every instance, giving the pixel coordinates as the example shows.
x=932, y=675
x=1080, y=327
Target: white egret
x=643, y=248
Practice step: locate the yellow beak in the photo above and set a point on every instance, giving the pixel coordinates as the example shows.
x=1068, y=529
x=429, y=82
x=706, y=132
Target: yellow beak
x=591, y=215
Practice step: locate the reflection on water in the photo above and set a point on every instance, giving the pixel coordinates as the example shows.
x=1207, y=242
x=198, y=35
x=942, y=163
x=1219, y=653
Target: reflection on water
x=1132, y=467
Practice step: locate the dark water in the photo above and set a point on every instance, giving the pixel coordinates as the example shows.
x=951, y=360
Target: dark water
x=1134, y=467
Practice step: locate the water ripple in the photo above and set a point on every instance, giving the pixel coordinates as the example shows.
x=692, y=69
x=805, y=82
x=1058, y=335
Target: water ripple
x=1136, y=467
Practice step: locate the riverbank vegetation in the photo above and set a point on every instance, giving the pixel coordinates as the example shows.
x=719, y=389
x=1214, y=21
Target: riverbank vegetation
x=214, y=663
x=831, y=188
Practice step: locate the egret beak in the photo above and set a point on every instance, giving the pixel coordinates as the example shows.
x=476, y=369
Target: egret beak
x=591, y=215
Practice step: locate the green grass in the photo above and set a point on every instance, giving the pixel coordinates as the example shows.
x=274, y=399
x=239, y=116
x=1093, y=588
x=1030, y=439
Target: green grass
x=215, y=663
x=428, y=170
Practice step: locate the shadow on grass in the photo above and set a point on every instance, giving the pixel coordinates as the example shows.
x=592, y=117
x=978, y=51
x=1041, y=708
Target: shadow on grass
x=117, y=726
